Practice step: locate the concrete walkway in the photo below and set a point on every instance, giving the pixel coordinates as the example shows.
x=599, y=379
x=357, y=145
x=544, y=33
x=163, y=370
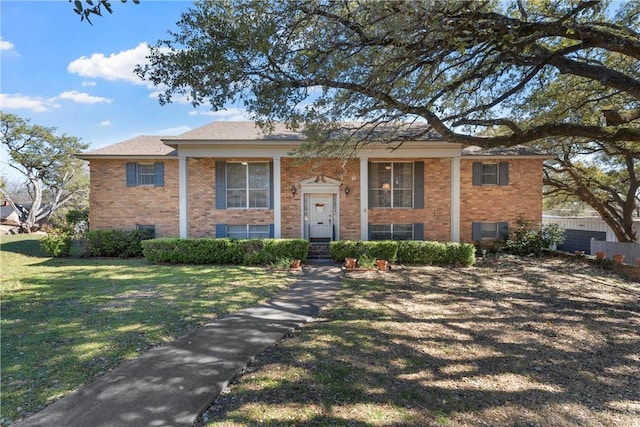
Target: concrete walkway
x=171, y=385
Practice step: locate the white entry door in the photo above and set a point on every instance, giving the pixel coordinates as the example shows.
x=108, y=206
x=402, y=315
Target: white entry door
x=320, y=212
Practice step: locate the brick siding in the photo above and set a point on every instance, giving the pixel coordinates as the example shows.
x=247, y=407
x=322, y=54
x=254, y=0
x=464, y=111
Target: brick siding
x=495, y=203
x=113, y=205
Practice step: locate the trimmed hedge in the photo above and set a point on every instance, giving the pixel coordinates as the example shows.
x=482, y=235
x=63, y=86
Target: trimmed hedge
x=436, y=253
x=383, y=249
x=406, y=251
x=116, y=243
x=224, y=251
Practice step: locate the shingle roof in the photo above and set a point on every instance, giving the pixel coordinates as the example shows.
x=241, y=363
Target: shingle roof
x=237, y=131
x=144, y=145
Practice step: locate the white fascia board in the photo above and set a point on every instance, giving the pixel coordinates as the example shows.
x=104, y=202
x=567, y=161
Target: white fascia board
x=125, y=157
x=514, y=156
x=235, y=150
x=284, y=149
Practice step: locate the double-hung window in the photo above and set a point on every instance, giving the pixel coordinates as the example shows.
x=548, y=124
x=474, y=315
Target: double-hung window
x=391, y=232
x=145, y=174
x=248, y=231
x=490, y=230
x=490, y=173
x=391, y=184
x=247, y=185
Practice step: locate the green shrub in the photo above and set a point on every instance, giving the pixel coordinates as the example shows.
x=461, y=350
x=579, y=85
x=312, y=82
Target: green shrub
x=116, y=243
x=192, y=251
x=57, y=242
x=383, y=249
x=526, y=240
x=406, y=252
x=224, y=251
x=436, y=253
x=366, y=261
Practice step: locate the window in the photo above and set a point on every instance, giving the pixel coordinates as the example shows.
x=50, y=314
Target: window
x=391, y=232
x=145, y=174
x=247, y=231
x=391, y=184
x=490, y=230
x=151, y=229
x=491, y=173
x=247, y=185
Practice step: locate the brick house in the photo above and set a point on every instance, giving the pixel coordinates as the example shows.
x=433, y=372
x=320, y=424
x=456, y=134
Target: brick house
x=229, y=179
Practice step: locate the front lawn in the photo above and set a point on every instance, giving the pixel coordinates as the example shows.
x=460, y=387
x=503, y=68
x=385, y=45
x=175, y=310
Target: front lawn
x=509, y=342
x=65, y=321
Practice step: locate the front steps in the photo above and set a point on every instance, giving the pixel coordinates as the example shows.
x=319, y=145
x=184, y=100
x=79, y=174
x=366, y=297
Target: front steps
x=319, y=250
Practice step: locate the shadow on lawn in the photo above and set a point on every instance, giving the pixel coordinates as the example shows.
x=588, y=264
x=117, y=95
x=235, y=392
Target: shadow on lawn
x=463, y=351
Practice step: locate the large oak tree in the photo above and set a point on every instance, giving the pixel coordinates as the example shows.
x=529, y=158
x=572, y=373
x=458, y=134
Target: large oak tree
x=54, y=178
x=461, y=66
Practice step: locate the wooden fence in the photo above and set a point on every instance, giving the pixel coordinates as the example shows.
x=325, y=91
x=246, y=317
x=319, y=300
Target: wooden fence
x=631, y=251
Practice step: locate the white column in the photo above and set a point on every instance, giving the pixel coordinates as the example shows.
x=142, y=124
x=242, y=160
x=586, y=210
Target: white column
x=183, y=197
x=364, y=198
x=455, y=199
x=277, y=199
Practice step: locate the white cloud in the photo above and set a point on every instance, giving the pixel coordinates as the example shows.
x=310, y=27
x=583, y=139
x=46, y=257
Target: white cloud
x=231, y=114
x=117, y=66
x=90, y=84
x=17, y=101
x=105, y=123
x=176, y=98
x=5, y=45
x=83, y=98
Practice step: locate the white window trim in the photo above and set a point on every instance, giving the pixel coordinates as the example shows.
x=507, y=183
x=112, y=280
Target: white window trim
x=391, y=226
x=247, y=189
x=393, y=188
x=248, y=231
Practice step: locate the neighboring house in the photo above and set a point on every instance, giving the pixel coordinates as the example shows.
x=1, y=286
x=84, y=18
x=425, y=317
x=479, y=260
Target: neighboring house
x=8, y=215
x=579, y=230
x=229, y=179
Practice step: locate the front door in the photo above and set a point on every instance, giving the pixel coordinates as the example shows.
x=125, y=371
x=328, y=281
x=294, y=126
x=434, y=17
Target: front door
x=320, y=220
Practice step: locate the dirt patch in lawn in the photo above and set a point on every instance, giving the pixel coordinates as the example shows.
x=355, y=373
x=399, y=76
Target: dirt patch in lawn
x=509, y=342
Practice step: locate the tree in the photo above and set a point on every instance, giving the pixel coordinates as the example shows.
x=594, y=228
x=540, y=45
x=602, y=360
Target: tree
x=54, y=177
x=461, y=66
x=604, y=176
x=94, y=8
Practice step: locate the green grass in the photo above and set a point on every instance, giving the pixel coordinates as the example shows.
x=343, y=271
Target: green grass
x=66, y=320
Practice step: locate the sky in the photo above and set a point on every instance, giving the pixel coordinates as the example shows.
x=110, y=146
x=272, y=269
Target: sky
x=60, y=72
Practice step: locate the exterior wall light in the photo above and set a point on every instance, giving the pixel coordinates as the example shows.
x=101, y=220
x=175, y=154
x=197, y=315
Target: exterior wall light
x=347, y=190
x=294, y=190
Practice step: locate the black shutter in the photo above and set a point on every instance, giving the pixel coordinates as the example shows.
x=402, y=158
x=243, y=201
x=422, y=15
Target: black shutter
x=503, y=173
x=131, y=174
x=418, y=231
x=221, y=186
x=476, y=231
x=503, y=230
x=271, y=195
x=158, y=174
x=272, y=231
x=221, y=230
x=369, y=185
x=418, y=185
x=368, y=232
x=477, y=173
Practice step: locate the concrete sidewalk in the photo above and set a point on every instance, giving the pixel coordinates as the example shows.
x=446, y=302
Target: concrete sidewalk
x=172, y=384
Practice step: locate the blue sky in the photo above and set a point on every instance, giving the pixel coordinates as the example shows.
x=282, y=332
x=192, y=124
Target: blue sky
x=60, y=72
